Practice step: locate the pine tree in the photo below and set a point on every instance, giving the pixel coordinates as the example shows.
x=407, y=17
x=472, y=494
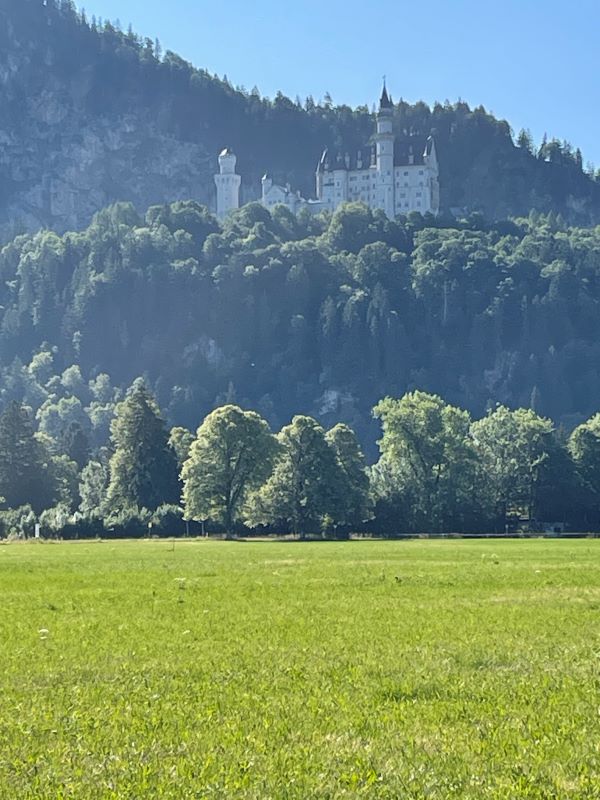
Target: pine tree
x=24, y=474
x=525, y=141
x=143, y=469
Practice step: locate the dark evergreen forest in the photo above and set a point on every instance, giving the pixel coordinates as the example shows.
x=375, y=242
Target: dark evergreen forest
x=290, y=315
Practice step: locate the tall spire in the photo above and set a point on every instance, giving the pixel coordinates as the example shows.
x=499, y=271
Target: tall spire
x=384, y=102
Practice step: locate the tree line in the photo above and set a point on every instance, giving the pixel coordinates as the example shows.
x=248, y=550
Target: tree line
x=438, y=471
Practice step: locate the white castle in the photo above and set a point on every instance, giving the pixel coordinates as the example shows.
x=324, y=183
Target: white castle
x=384, y=179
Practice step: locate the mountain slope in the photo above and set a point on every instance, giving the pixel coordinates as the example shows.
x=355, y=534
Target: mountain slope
x=90, y=116
x=288, y=315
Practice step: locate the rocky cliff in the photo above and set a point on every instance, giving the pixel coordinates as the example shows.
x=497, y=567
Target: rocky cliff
x=61, y=160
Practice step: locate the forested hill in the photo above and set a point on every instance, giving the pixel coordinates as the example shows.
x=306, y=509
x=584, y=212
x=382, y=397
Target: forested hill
x=300, y=315
x=90, y=115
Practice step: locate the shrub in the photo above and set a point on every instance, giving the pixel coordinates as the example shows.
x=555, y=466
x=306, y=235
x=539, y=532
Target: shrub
x=17, y=523
x=54, y=520
x=167, y=520
x=129, y=523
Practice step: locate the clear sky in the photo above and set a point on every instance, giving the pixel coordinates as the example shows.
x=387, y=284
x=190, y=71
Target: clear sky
x=535, y=63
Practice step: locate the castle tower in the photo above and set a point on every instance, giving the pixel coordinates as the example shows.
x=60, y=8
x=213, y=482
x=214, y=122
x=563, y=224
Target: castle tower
x=227, y=183
x=384, y=143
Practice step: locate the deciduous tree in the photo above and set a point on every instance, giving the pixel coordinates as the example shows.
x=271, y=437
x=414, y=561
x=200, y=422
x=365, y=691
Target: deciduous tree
x=427, y=445
x=306, y=484
x=230, y=456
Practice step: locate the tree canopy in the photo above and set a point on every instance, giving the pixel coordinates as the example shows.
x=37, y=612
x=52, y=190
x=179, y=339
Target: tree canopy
x=230, y=456
x=314, y=315
x=143, y=468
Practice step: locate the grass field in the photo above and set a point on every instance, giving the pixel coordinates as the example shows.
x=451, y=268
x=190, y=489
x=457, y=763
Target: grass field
x=422, y=669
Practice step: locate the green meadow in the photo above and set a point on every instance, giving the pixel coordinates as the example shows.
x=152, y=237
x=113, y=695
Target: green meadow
x=199, y=669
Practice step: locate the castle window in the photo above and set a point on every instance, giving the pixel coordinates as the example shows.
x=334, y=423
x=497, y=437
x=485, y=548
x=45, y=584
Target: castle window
x=420, y=172
x=418, y=194
x=406, y=173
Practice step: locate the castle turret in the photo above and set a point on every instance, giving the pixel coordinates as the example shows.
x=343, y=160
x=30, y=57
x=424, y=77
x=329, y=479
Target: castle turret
x=227, y=183
x=384, y=141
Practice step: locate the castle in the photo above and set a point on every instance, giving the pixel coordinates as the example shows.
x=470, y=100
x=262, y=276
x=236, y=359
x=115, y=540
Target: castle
x=383, y=179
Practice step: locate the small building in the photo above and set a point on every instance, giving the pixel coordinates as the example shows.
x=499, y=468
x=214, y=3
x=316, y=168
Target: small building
x=273, y=195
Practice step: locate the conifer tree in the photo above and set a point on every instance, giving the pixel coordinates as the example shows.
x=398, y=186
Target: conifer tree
x=143, y=468
x=76, y=444
x=24, y=474
x=92, y=488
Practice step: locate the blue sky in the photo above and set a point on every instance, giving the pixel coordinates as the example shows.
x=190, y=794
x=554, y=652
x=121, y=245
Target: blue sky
x=535, y=63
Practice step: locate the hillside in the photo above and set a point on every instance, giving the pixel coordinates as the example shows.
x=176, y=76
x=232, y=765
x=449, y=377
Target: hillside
x=308, y=315
x=90, y=115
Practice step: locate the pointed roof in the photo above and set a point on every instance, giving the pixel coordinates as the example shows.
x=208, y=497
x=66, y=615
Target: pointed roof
x=384, y=100
x=430, y=147
x=323, y=161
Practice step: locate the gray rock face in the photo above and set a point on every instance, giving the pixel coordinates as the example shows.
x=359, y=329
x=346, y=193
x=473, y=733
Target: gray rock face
x=63, y=175
x=62, y=159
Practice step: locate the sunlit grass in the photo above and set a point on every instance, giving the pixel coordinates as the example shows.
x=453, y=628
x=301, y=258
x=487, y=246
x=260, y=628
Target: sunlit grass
x=264, y=670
